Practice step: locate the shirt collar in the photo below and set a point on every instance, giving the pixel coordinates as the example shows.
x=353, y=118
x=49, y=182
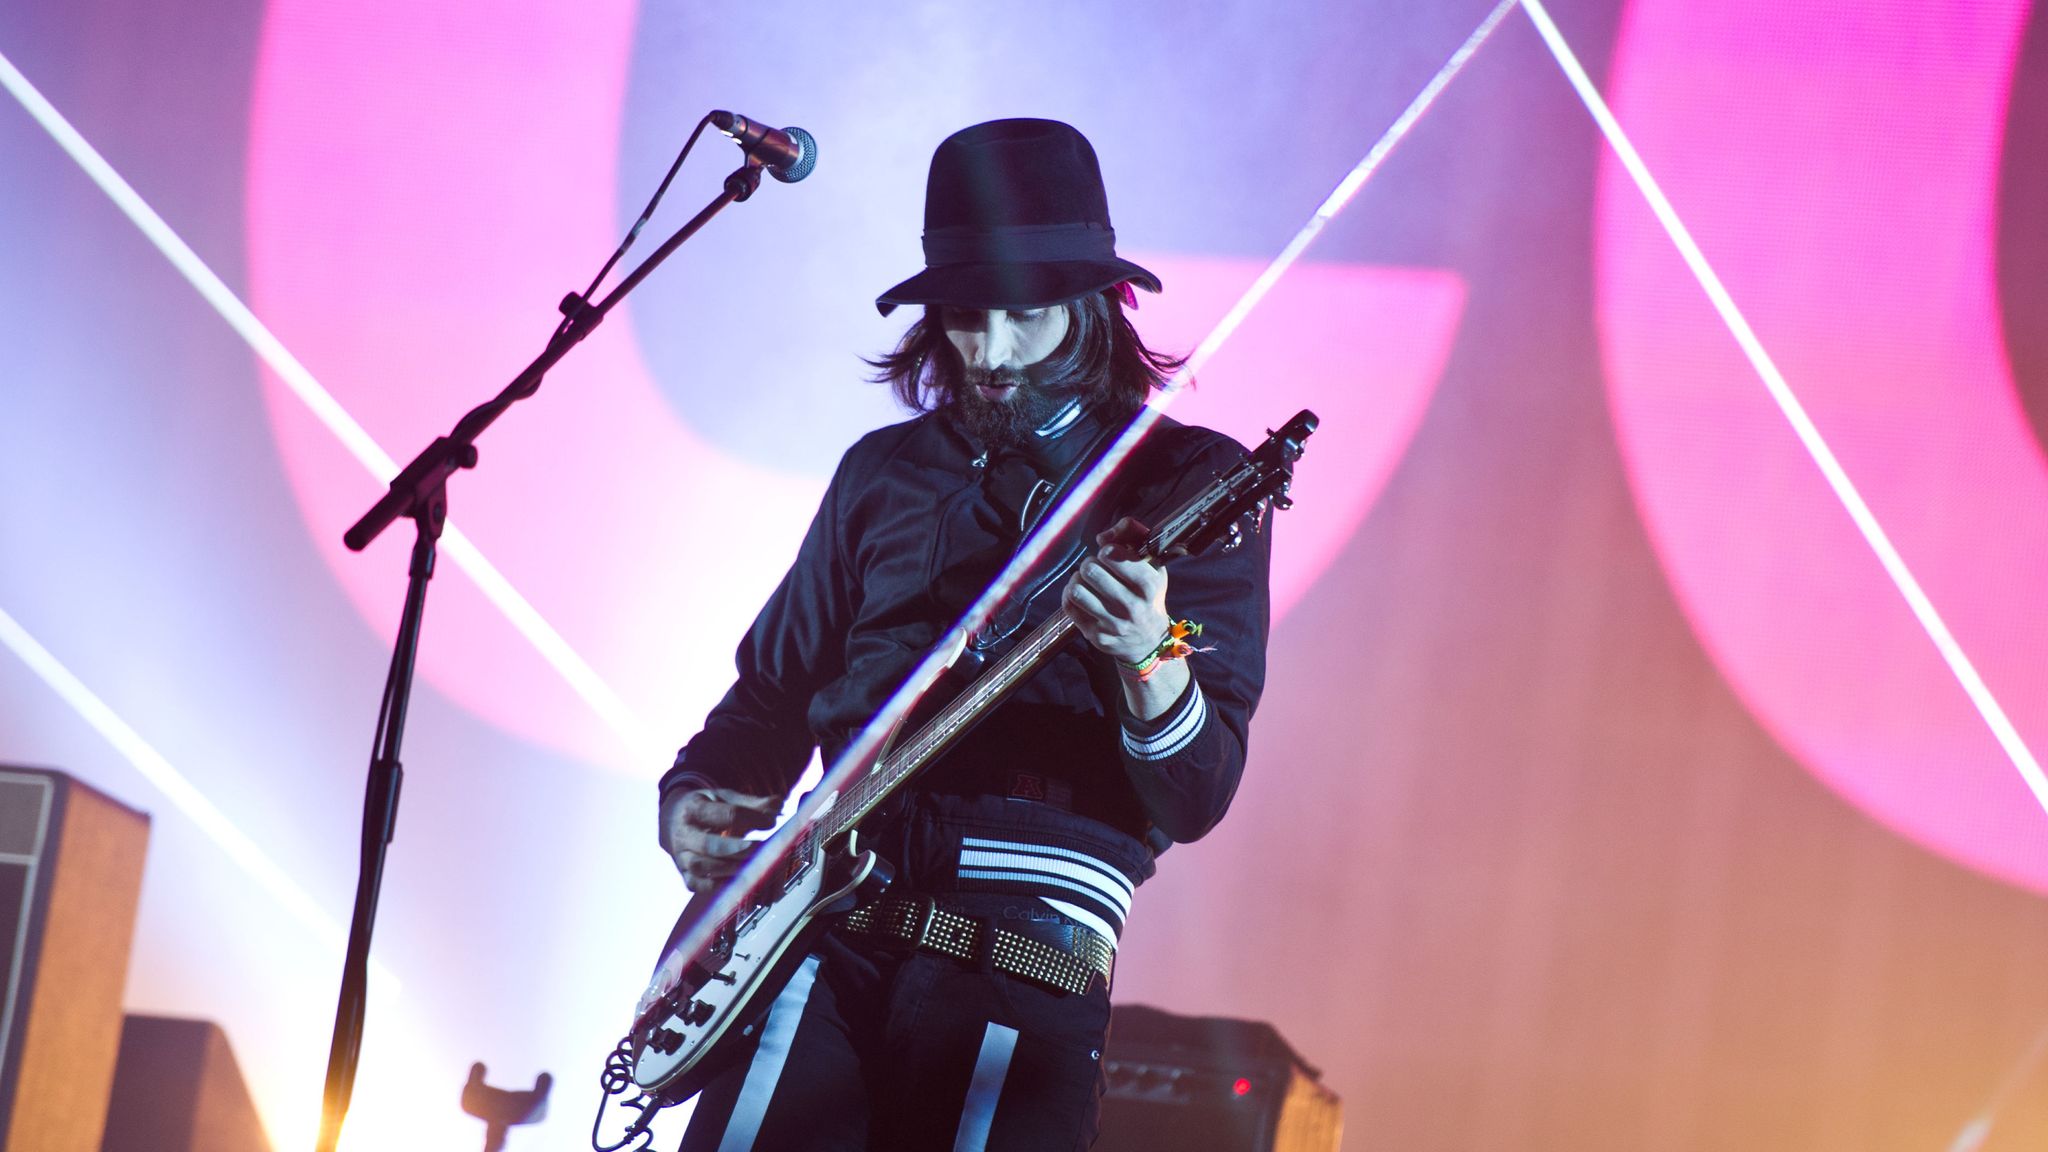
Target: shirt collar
x=1059, y=442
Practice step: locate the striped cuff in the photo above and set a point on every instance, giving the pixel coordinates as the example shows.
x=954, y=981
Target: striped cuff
x=1184, y=722
x=1083, y=887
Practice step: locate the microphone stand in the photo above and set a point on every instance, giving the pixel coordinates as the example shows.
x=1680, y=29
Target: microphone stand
x=420, y=493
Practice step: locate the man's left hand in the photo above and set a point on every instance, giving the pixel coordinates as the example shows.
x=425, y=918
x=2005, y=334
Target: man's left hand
x=1117, y=600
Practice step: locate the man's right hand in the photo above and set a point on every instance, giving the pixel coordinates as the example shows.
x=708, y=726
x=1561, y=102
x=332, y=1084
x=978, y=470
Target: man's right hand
x=702, y=829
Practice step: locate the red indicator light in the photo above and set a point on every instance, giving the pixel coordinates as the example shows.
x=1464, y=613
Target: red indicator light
x=1243, y=1087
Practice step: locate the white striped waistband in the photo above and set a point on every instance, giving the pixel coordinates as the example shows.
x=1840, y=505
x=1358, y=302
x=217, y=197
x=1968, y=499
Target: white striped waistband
x=1079, y=886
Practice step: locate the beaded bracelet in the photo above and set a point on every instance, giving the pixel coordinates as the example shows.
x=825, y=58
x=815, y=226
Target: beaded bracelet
x=1173, y=646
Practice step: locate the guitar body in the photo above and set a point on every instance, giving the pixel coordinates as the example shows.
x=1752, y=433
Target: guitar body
x=714, y=1005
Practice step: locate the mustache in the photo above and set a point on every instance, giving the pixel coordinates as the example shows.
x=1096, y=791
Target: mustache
x=997, y=377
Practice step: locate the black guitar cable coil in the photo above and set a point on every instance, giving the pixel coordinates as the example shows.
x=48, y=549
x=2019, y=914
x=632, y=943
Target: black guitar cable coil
x=617, y=1080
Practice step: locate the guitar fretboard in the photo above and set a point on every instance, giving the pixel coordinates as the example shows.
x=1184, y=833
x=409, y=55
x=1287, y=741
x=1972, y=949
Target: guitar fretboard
x=1015, y=666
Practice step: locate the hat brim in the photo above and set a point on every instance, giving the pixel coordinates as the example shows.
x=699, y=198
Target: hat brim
x=1014, y=285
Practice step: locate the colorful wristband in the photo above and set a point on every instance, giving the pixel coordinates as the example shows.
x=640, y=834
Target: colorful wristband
x=1173, y=646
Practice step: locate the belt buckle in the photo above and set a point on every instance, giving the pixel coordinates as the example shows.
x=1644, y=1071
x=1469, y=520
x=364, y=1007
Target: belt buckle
x=927, y=913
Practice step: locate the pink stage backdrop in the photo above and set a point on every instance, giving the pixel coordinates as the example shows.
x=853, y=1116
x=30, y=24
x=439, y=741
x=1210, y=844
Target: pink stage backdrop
x=1606, y=795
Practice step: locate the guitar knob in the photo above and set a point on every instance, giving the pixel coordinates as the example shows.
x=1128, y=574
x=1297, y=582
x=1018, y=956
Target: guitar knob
x=696, y=1013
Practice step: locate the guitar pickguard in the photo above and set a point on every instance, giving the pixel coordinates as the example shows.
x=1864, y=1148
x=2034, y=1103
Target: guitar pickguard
x=685, y=1027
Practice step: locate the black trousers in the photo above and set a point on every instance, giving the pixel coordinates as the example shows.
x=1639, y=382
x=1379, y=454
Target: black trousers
x=876, y=1047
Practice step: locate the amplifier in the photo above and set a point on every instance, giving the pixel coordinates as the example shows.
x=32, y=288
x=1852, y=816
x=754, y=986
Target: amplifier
x=1207, y=1084
x=178, y=1089
x=70, y=877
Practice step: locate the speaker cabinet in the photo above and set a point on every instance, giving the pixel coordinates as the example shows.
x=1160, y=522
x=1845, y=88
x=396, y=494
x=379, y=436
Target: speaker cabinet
x=178, y=1089
x=70, y=877
x=1207, y=1084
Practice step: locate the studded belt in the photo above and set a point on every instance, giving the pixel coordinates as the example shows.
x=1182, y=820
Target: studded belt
x=921, y=923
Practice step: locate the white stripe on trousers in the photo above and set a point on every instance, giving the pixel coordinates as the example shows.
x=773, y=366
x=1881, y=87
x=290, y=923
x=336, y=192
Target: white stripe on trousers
x=990, y=1068
x=743, y=1127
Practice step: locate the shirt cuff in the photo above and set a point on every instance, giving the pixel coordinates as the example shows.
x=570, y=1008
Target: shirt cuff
x=681, y=779
x=1170, y=732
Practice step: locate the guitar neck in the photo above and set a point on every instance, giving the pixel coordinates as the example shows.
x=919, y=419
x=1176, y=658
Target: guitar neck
x=938, y=734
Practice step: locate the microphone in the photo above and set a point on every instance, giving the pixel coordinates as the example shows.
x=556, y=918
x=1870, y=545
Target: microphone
x=789, y=154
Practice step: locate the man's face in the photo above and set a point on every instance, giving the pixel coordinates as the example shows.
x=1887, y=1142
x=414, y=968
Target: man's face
x=1001, y=398
x=997, y=345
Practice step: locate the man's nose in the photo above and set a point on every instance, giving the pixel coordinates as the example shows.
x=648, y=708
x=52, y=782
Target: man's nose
x=990, y=343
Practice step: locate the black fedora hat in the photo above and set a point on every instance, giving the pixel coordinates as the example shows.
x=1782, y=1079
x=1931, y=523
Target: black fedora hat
x=1015, y=217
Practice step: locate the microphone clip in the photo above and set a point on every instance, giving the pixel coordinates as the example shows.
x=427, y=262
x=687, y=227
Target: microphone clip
x=745, y=180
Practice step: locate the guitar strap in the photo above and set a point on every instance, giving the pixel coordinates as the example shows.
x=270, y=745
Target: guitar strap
x=1044, y=495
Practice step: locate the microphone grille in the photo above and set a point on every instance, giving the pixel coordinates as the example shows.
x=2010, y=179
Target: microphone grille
x=808, y=146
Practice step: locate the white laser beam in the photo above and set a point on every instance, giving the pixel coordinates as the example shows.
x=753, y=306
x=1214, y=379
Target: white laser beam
x=2002, y=728
x=178, y=789
x=517, y=610
x=1339, y=197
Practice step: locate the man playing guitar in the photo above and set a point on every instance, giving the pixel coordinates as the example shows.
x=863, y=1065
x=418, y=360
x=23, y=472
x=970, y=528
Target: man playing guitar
x=1030, y=834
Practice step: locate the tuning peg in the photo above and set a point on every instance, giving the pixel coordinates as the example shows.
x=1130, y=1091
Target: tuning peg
x=1233, y=537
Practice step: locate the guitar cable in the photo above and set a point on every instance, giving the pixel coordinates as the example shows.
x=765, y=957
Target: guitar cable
x=616, y=1080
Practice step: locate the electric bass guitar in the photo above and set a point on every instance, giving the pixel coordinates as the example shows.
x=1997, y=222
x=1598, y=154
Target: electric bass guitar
x=697, y=1007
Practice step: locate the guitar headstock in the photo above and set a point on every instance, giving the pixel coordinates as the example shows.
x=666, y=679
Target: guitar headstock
x=1245, y=492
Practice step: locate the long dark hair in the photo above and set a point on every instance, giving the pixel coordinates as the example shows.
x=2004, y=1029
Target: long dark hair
x=1101, y=354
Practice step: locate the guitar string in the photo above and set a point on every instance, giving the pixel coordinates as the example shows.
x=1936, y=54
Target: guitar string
x=863, y=797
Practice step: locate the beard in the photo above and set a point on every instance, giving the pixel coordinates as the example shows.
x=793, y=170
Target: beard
x=1006, y=422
